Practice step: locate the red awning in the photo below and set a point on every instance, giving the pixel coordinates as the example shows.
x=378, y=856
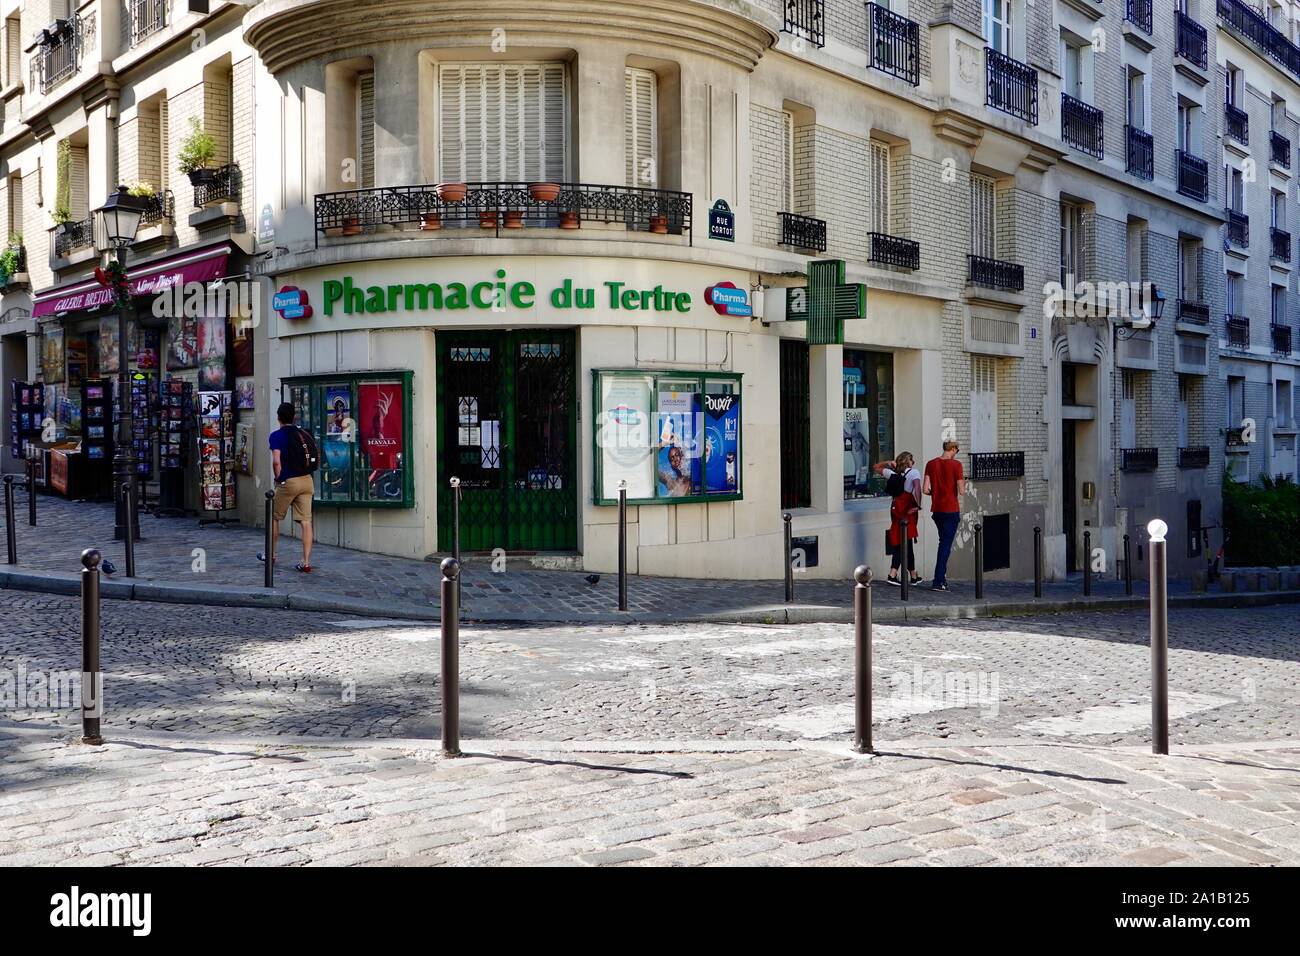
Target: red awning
x=200, y=265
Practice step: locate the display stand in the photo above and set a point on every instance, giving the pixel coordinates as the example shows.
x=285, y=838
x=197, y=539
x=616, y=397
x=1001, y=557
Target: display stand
x=176, y=415
x=216, y=456
x=97, y=438
x=145, y=408
x=26, y=416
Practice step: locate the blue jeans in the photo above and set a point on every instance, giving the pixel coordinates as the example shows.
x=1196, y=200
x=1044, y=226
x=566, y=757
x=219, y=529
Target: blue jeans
x=946, y=522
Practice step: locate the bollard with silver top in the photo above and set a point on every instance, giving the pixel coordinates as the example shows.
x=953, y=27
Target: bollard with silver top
x=455, y=526
x=1128, y=566
x=979, y=561
x=92, y=681
x=622, y=545
x=128, y=495
x=1159, y=640
x=11, y=532
x=31, y=492
x=862, y=659
x=1038, y=562
x=787, y=518
x=450, y=674
x=268, y=577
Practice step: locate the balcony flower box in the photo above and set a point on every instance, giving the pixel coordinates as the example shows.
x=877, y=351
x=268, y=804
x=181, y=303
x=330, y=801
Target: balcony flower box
x=544, y=192
x=452, y=192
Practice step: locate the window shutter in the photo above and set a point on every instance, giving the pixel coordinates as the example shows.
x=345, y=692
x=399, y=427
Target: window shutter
x=503, y=122
x=555, y=122
x=787, y=161
x=983, y=404
x=79, y=192
x=983, y=240
x=366, y=130
x=15, y=204
x=13, y=50
x=164, y=145
x=880, y=188
x=640, y=137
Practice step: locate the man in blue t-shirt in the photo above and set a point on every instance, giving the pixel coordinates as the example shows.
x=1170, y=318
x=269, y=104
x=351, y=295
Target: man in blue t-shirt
x=293, y=485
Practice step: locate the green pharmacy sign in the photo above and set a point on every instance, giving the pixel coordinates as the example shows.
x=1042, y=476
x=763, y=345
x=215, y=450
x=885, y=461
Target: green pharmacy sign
x=826, y=302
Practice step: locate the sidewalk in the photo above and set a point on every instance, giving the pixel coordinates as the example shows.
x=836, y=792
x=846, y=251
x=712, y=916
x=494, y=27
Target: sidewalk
x=180, y=562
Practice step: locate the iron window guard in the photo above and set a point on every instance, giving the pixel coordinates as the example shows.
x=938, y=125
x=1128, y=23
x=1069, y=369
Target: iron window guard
x=1081, y=126
x=894, y=251
x=1138, y=13
x=1197, y=312
x=1237, y=331
x=1193, y=176
x=1236, y=123
x=159, y=207
x=1238, y=224
x=997, y=465
x=803, y=232
x=1139, y=459
x=1141, y=153
x=1194, y=456
x=1010, y=86
x=1279, y=149
x=223, y=185
x=894, y=44
x=1191, y=41
x=995, y=274
x=806, y=19
x=74, y=235
x=1281, y=335
x=147, y=18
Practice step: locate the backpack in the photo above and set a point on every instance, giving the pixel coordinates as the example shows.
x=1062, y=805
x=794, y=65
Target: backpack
x=302, y=456
x=894, y=485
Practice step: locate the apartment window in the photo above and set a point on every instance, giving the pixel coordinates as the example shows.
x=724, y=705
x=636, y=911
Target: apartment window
x=1277, y=304
x=983, y=240
x=640, y=132
x=15, y=223
x=1189, y=277
x=1071, y=244
x=1133, y=236
x=1275, y=17
x=350, y=143
x=1236, y=403
x=503, y=122
x=1234, y=192
x=997, y=25
x=1183, y=417
x=13, y=49
x=1278, y=209
x=1232, y=86
x=1128, y=409
x=1282, y=403
x=365, y=120
x=1075, y=66
x=983, y=404
x=1188, y=122
x=787, y=160
x=880, y=191
x=1277, y=116
x=1137, y=99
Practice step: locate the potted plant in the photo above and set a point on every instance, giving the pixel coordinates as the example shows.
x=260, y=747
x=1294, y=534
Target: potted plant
x=569, y=219
x=142, y=188
x=352, y=225
x=431, y=222
x=514, y=219
x=451, y=192
x=10, y=261
x=487, y=219
x=198, y=152
x=544, y=192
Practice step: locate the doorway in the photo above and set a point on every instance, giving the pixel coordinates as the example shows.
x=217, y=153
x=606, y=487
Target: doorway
x=1069, y=501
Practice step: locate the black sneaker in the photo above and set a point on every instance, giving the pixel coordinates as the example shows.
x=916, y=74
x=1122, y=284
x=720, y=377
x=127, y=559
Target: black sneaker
x=938, y=587
x=894, y=581
x=917, y=581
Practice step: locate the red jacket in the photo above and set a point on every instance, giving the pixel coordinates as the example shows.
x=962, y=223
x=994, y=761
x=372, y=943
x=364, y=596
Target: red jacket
x=903, y=505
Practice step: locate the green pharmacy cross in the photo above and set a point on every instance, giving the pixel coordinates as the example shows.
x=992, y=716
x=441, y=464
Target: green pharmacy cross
x=826, y=302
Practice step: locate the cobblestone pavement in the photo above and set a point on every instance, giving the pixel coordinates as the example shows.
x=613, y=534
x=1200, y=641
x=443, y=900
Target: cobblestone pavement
x=195, y=802
x=1082, y=678
x=225, y=556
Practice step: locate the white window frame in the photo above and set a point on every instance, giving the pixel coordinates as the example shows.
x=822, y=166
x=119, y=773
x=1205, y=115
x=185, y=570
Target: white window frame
x=983, y=404
x=984, y=192
x=881, y=157
x=634, y=76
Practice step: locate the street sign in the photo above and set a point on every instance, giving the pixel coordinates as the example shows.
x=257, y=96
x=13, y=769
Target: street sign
x=722, y=222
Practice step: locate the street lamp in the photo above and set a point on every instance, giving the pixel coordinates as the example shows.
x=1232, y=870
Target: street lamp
x=1152, y=308
x=116, y=222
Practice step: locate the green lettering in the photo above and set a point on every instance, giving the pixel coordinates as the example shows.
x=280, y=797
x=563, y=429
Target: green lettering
x=517, y=293
x=375, y=299
x=629, y=299
x=419, y=296
x=476, y=294
x=683, y=302
x=458, y=296
x=613, y=293
x=394, y=291
x=333, y=292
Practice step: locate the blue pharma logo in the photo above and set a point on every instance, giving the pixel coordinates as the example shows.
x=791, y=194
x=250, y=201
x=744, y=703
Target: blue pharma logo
x=727, y=299
x=291, y=302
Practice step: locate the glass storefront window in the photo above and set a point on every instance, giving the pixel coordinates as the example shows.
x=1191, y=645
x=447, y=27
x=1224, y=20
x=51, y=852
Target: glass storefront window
x=868, y=401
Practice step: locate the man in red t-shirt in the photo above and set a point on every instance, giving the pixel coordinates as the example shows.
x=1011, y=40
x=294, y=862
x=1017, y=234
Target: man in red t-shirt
x=945, y=483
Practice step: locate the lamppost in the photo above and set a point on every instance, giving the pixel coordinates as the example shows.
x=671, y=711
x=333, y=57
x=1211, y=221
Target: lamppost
x=116, y=223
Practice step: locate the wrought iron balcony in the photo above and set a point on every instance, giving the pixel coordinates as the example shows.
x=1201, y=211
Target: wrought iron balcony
x=1139, y=459
x=1193, y=176
x=806, y=19
x=159, y=208
x=893, y=251
x=147, y=18
x=803, y=232
x=995, y=274
x=1256, y=30
x=1279, y=149
x=1281, y=335
x=894, y=46
x=1191, y=40
x=997, y=465
x=1197, y=312
x=1238, y=228
x=1081, y=126
x=223, y=185
x=59, y=53
x=74, y=235
x=1141, y=153
x=1010, y=86
x=1194, y=456
x=506, y=206
x=1236, y=123
x=1279, y=244
x=1138, y=13
x=1235, y=438
x=1236, y=329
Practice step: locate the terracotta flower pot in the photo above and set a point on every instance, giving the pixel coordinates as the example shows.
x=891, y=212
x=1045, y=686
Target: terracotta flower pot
x=544, y=192
x=569, y=220
x=659, y=225
x=352, y=226
x=431, y=222
x=514, y=220
x=487, y=220
x=451, y=192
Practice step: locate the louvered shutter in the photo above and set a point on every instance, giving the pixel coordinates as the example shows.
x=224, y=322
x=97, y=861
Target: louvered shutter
x=1128, y=411
x=787, y=161
x=983, y=404
x=15, y=205
x=366, y=129
x=983, y=242
x=164, y=145
x=79, y=191
x=880, y=188
x=13, y=50
x=503, y=122
x=640, y=136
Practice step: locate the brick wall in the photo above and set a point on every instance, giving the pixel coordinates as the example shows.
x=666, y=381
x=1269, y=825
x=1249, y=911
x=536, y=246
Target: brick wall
x=767, y=190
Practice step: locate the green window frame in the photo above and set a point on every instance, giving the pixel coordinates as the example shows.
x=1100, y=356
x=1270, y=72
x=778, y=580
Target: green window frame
x=653, y=385
x=347, y=477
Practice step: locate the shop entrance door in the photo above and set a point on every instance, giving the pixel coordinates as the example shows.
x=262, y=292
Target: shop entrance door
x=507, y=428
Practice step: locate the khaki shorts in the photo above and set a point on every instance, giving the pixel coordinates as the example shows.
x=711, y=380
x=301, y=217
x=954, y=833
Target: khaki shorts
x=296, y=492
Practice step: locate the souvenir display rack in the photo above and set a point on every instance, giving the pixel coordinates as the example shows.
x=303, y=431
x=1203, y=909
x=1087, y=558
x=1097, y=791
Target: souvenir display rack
x=215, y=412
x=97, y=436
x=176, y=413
x=26, y=413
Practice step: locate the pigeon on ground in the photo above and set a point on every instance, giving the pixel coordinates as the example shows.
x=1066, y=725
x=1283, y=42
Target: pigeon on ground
x=593, y=579
x=108, y=567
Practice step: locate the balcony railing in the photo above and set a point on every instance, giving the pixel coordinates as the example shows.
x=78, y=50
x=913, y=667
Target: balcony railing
x=997, y=465
x=803, y=232
x=505, y=205
x=1238, y=228
x=1256, y=30
x=995, y=274
x=1237, y=331
x=1236, y=123
x=1281, y=335
x=1141, y=155
x=894, y=45
x=147, y=18
x=1139, y=459
x=1191, y=41
x=1279, y=149
x=806, y=19
x=1194, y=456
x=1279, y=244
x=1010, y=86
x=1197, y=312
x=1193, y=176
x=1081, y=126
x=73, y=236
x=159, y=208
x=893, y=251
x=223, y=185
x=1138, y=13
x=60, y=50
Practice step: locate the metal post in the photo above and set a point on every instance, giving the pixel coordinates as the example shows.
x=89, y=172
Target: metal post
x=126, y=522
x=1087, y=563
x=979, y=561
x=31, y=492
x=1128, y=566
x=450, y=674
x=862, y=659
x=622, y=545
x=1038, y=562
x=1159, y=640
x=11, y=533
x=128, y=495
x=268, y=578
x=787, y=518
x=92, y=681
x=455, y=526
x=904, y=575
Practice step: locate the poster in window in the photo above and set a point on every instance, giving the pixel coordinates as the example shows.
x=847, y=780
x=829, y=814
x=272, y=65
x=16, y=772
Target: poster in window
x=339, y=423
x=721, y=444
x=677, y=471
x=241, y=349
x=147, y=342
x=212, y=352
x=244, y=448
x=52, y=356
x=381, y=422
x=182, y=342
x=625, y=441
x=75, y=351
x=245, y=393
x=109, y=349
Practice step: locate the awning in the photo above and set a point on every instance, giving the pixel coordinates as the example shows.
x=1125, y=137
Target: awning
x=199, y=265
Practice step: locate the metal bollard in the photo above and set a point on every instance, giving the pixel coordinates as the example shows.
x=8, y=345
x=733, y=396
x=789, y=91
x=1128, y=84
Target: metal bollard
x=904, y=575
x=450, y=674
x=31, y=492
x=1087, y=563
x=979, y=561
x=128, y=496
x=11, y=533
x=1038, y=562
x=1128, y=566
x=789, y=558
x=1159, y=640
x=92, y=709
x=455, y=526
x=268, y=577
x=862, y=660
x=622, y=545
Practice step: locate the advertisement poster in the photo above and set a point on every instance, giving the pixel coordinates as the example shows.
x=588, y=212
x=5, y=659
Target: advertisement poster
x=381, y=422
x=339, y=424
x=212, y=352
x=677, y=470
x=52, y=367
x=337, y=474
x=625, y=440
x=721, y=444
x=147, y=343
x=241, y=351
x=109, y=351
x=75, y=352
x=244, y=449
x=857, y=453
x=182, y=342
x=245, y=393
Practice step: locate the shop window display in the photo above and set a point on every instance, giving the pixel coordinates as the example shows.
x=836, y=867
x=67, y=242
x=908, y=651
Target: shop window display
x=868, y=394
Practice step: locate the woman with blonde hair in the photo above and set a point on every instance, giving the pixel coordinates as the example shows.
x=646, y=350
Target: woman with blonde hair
x=903, y=485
